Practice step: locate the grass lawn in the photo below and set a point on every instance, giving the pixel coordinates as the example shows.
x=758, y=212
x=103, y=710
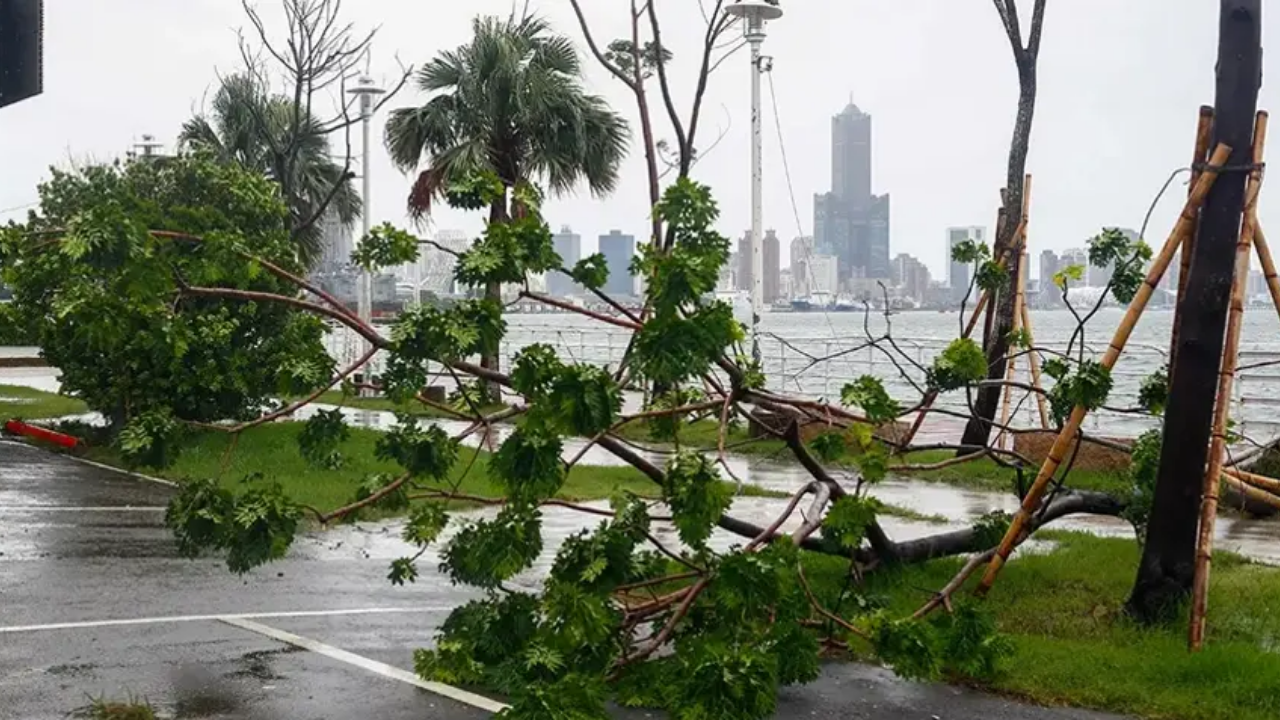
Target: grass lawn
x=1074, y=646
x=272, y=450
x=24, y=403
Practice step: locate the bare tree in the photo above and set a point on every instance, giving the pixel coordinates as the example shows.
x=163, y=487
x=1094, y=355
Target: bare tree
x=289, y=103
x=637, y=60
x=999, y=318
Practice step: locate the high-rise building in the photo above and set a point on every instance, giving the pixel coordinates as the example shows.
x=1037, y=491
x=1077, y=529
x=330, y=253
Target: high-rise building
x=618, y=250
x=772, y=252
x=1075, y=256
x=1049, y=266
x=850, y=222
x=568, y=245
x=959, y=274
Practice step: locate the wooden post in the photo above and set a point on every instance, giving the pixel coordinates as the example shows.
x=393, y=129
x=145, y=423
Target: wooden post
x=1035, y=494
x=1204, y=131
x=1221, y=412
x=1166, y=572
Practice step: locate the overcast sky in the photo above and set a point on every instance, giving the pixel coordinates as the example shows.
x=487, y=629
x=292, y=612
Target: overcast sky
x=1120, y=83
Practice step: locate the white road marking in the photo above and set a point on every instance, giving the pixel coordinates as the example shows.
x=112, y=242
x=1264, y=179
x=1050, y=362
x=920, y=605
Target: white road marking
x=80, y=625
x=373, y=666
x=82, y=508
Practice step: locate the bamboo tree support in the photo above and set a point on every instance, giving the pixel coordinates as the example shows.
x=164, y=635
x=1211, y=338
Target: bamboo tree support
x=1204, y=131
x=1041, y=403
x=1031, y=503
x=1226, y=379
x=1019, y=303
x=1267, y=263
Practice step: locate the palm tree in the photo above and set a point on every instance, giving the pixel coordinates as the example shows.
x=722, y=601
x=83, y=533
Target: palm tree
x=509, y=102
x=259, y=131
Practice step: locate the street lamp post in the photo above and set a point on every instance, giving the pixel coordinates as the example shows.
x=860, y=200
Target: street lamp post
x=365, y=90
x=755, y=14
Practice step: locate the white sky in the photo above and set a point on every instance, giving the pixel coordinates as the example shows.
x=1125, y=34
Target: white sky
x=1120, y=84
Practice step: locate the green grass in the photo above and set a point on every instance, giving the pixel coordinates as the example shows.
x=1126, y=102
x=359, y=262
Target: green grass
x=1074, y=646
x=23, y=403
x=103, y=709
x=272, y=450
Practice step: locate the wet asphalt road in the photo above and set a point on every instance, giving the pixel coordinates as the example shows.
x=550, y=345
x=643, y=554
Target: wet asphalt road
x=85, y=550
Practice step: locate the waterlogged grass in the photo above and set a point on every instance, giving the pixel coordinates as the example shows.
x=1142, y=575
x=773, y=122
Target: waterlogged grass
x=271, y=451
x=24, y=403
x=1074, y=645
x=985, y=474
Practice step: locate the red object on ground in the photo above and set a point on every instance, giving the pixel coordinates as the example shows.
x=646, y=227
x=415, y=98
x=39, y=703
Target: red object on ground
x=17, y=427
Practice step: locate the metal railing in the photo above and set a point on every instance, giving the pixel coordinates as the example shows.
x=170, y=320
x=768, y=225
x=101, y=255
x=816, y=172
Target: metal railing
x=817, y=367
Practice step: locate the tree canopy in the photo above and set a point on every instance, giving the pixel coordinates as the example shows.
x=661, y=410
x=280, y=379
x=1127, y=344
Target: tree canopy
x=103, y=296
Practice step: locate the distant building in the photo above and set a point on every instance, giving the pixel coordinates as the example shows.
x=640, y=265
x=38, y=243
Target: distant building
x=824, y=275
x=959, y=274
x=772, y=251
x=911, y=277
x=568, y=245
x=850, y=223
x=801, y=252
x=336, y=241
x=784, y=285
x=618, y=250
x=1049, y=266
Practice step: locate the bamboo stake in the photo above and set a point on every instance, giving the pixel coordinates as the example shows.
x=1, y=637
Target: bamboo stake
x=1251, y=492
x=1267, y=263
x=1036, y=382
x=1204, y=130
x=1261, y=482
x=1031, y=502
x=1222, y=410
x=1019, y=301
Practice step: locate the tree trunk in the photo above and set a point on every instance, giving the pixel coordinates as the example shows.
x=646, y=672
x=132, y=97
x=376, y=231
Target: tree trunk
x=1167, y=568
x=1000, y=312
x=493, y=291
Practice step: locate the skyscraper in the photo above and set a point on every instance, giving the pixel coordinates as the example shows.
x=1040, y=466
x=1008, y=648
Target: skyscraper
x=568, y=245
x=960, y=274
x=1050, y=265
x=335, y=238
x=772, y=267
x=910, y=276
x=618, y=250
x=850, y=222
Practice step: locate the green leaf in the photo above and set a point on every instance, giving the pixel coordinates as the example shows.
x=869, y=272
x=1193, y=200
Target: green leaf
x=592, y=271
x=426, y=522
x=1071, y=272
x=847, y=521
x=697, y=497
x=961, y=363
x=969, y=251
x=424, y=452
x=321, y=435
x=527, y=466
x=868, y=393
x=1153, y=392
x=402, y=570
x=535, y=369
x=1088, y=386
x=1056, y=368
x=487, y=552
x=992, y=276
x=385, y=246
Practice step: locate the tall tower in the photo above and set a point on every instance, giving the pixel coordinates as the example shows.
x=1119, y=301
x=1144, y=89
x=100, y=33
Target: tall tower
x=851, y=156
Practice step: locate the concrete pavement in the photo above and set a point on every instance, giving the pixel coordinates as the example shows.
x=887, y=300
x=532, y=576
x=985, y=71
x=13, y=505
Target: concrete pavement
x=95, y=602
